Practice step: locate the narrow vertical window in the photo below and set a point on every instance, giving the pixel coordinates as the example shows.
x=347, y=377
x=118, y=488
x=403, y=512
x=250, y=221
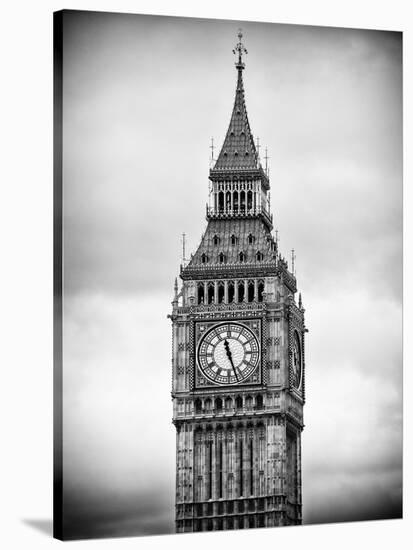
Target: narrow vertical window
x=249, y=200
x=211, y=293
x=241, y=469
x=221, y=292
x=241, y=292
x=242, y=201
x=221, y=201
x=250, y=291
x=231, y=292
x=220, y=469
x=251, y=468
x=209, y=469
x=260, y=291
x=201, y=297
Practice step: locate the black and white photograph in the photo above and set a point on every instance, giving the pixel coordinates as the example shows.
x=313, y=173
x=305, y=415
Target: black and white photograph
x=228, y=275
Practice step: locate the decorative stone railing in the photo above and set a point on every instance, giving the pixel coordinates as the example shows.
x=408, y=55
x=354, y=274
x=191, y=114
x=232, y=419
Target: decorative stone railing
x=212, y=212
x=255, y=269
x=231, y=412
x=244, y=306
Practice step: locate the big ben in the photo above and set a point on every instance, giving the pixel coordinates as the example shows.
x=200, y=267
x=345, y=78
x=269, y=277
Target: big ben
x=238, y=354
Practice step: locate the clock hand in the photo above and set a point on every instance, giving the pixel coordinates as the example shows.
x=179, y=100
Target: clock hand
x=229, y=355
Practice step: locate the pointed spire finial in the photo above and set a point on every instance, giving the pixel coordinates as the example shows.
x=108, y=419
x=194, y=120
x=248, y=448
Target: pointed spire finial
x=266, y=160
x=240, y=49
x=300, y=302
x=184, y=258
x=175, y=299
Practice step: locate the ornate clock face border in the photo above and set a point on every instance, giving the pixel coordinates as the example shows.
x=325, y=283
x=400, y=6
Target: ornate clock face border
x=295, y=327
x=197, y=380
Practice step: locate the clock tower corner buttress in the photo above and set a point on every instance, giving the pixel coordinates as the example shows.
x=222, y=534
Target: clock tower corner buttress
x=238, y=354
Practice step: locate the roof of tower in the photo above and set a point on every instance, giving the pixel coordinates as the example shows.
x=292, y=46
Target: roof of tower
x=238, y=150
x=237, y=248
x=233, y=237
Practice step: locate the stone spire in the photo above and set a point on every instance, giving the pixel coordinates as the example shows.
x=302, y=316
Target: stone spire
x=238, y=150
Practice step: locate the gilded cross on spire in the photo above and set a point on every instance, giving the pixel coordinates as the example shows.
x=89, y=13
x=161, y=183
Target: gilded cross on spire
x=240, y=49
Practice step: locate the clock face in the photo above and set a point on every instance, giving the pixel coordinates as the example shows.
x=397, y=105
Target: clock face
x=228, y=353
x=297, y=367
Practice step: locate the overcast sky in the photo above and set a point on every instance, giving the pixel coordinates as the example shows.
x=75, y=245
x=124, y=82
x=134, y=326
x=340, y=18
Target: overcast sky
x=142, y=98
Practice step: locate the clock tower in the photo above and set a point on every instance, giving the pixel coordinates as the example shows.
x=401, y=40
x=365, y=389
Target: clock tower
x=237, y=354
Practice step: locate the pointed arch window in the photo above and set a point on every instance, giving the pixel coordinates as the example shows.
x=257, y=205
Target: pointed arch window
x=242, y=201
x=211, y=293
x=201, y=296
x=222, y=258
x=259, y=256
x=215, y=240
x=231, y=291
x=241, y=291
x=228, y=200
x=235, y=201
x=260, y=290
x=204, y=258
x=250, y=291
x=221, y=200
x=249, y=200
x=198, y=406
x=233, y=240
x=241, y=257
x=221, y=292
x=251, y=239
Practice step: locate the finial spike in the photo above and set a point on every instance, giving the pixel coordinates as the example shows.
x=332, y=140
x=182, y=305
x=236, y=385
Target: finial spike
x=266, y=161
x=183, y=248
x=300, y=302
x=175, y=300
x=240, y=49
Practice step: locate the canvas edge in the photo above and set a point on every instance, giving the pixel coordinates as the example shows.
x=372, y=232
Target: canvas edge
x=57, y=276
